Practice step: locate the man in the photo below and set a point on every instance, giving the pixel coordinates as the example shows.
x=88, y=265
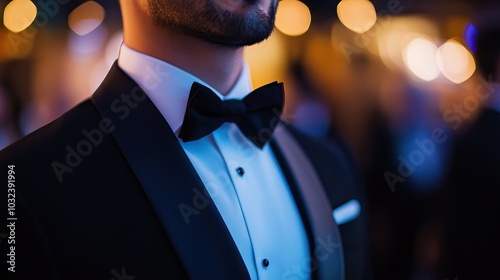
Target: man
x=472, y=188
x=171, y=170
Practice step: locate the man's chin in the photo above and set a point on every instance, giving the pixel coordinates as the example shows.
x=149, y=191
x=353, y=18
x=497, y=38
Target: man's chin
x=241, y=24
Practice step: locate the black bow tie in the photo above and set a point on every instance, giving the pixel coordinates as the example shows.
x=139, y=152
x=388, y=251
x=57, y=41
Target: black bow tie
x=256, y=115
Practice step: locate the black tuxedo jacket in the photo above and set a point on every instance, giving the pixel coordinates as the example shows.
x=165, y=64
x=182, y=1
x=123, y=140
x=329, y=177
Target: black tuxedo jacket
x=106, y=192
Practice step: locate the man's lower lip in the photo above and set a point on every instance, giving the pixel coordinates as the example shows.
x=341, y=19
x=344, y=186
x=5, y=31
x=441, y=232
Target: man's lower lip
x=239, y=4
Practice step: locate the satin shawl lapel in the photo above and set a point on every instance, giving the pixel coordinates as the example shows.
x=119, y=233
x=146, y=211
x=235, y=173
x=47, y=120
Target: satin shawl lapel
x=312, y=201
x=168, y=178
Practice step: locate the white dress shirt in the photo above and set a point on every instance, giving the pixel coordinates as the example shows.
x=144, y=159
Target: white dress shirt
x=245, y=182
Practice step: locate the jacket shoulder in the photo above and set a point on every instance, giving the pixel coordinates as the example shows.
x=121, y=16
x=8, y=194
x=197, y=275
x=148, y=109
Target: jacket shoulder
x=44, y=154
x=330, y=157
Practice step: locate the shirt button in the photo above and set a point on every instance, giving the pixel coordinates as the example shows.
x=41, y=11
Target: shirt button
x=240, y=171
x=265, y=262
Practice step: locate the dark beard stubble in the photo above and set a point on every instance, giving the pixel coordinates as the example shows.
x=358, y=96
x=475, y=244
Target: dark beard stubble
x=207, y=21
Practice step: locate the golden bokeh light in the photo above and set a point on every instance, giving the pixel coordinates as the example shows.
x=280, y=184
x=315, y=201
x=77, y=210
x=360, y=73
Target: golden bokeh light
x=455, y=62
x=357, y=15
x=19, y=14
x=293, y=18
x=396, y=32
x=420, y=58
x=86, y=18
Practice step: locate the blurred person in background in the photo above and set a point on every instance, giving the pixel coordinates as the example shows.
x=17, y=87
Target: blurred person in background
x=167, y=172
x=8, y=122
x=379, y=115
x=404, y=224
x=472, y=190
x=13, y=95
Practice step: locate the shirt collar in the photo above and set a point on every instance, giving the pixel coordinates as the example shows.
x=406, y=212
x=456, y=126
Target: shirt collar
x=168, y=87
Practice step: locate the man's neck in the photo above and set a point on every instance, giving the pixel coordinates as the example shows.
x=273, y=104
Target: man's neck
x=217, y=65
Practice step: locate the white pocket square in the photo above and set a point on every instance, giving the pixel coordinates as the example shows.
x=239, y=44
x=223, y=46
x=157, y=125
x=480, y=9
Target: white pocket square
x=347, y=212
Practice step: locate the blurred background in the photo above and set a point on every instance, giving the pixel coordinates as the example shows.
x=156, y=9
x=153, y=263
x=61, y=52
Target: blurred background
x=394, y=81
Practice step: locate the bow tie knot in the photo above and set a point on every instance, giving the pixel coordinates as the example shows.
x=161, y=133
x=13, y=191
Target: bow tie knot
x=235, y=110
x=257, y=114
